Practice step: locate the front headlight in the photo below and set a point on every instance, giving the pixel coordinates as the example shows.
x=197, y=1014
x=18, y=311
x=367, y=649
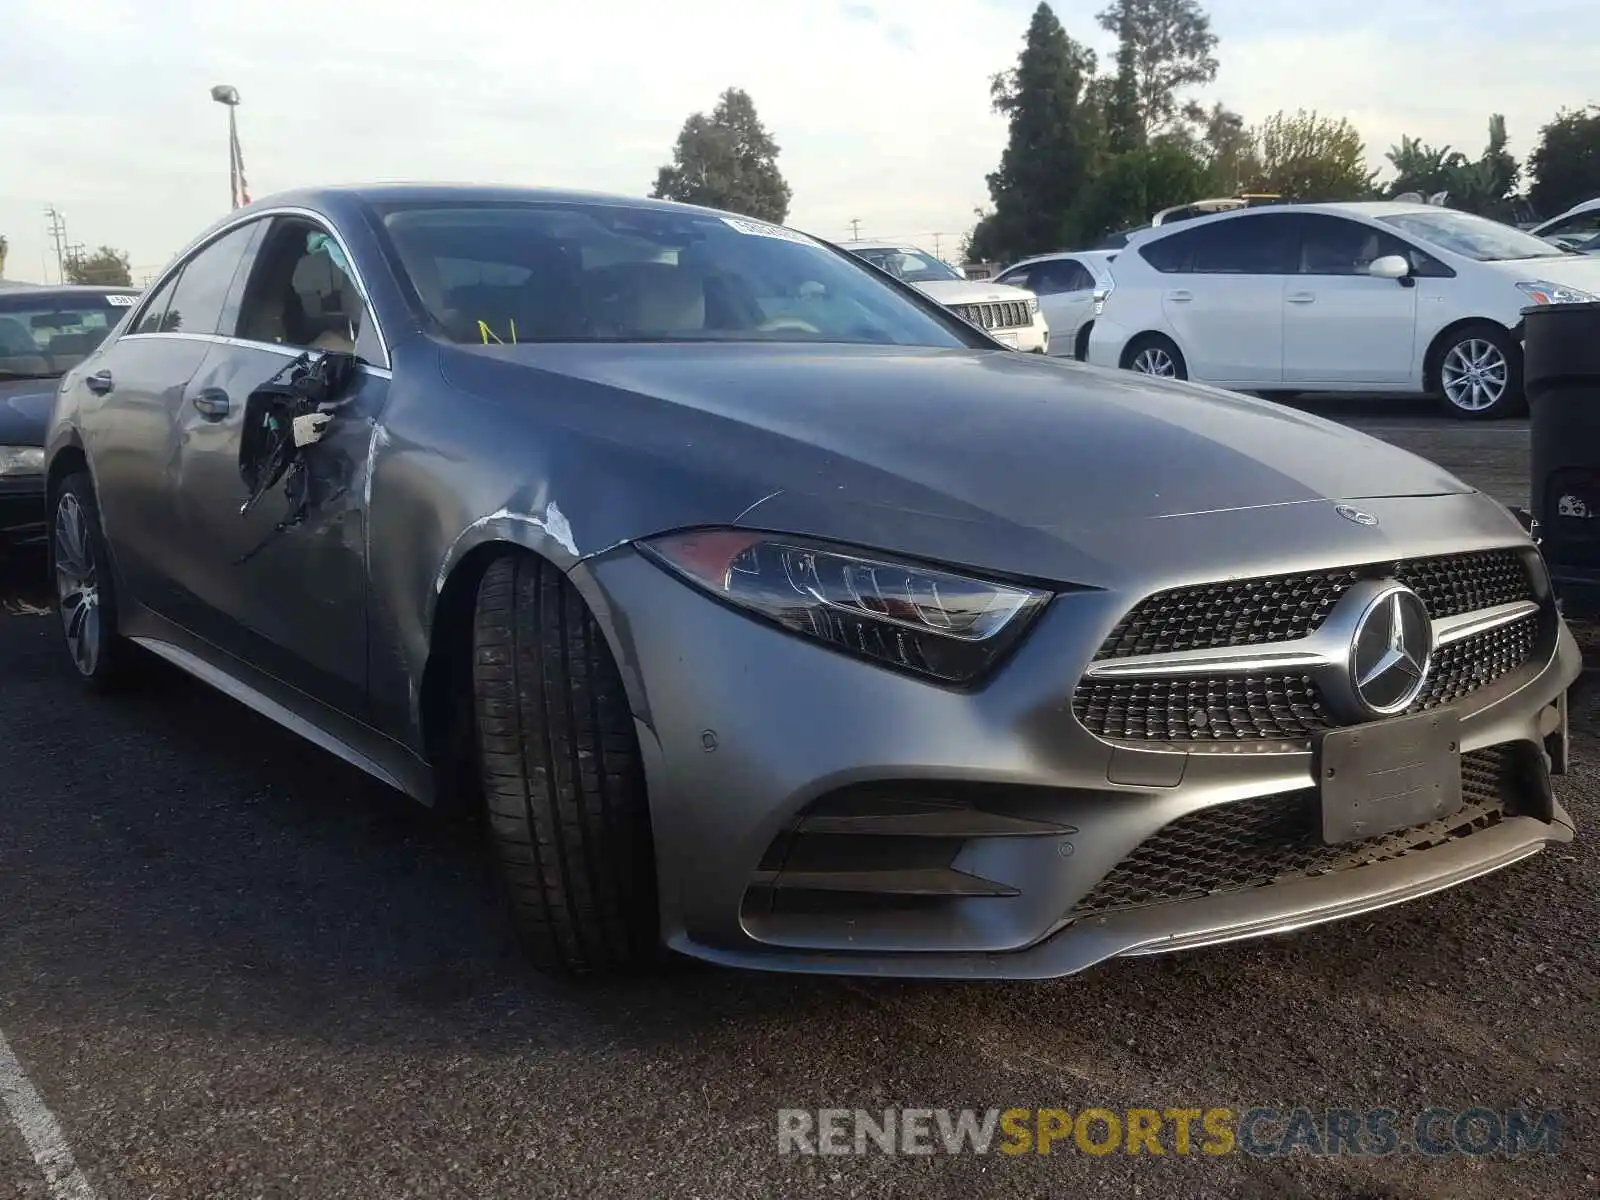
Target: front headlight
x=1100, y=295
x=1542, y=292
x=21, y=460
x=1033, y=305
x=923, y=619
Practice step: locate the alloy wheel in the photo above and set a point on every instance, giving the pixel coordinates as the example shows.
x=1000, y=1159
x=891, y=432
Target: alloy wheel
x=1153, y=360
x=1474, y=375
x=77, y=584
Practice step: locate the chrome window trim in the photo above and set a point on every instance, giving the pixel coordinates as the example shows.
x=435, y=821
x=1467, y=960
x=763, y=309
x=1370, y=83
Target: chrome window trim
x=217, y=339
x=260, y=215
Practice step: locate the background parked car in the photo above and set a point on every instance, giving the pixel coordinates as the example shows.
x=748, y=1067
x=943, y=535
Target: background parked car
x=1576, y=229
x=1377, y=297
x=1071, y=287
x=44, y=331
x=1008, y=314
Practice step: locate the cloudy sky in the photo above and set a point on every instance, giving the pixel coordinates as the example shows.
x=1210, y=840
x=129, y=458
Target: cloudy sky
x=880, y=106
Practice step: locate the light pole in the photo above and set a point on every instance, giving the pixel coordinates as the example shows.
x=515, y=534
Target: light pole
x=238, y=192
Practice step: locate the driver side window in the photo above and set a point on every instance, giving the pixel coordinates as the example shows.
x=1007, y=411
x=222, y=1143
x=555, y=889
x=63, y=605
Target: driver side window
x=302, y=294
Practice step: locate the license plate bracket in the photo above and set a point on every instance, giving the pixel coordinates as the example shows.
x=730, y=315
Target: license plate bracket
x=1374, y=779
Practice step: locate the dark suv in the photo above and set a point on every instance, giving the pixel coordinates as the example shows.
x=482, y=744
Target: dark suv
x=44, y=331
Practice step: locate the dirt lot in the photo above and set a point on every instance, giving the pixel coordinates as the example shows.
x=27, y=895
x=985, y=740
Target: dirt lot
x=232, y=967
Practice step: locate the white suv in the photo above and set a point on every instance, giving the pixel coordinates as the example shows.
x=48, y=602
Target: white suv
x=1377, y=297
x=1010, y=315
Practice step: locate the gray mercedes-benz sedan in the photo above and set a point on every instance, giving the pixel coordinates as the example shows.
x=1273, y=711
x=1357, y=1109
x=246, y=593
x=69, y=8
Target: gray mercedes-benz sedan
x=770, y=612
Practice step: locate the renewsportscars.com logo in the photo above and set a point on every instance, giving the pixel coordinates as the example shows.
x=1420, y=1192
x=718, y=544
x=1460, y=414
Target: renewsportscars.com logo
x=1261, y=1132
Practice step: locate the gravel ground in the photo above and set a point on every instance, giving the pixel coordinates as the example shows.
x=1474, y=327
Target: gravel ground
x=232, y=967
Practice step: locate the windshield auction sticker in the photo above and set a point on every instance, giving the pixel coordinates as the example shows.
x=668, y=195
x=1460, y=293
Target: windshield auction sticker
x=762, y=229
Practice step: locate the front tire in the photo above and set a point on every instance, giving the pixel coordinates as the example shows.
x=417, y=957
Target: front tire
x=1479, y=374
x=563, y=782
x=1154, y=354
x=85, y=593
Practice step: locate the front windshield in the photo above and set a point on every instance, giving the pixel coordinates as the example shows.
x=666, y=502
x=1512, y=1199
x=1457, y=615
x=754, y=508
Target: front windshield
x=599, y=272
x=907, y=263
x=1472, y=237
x=43, y=336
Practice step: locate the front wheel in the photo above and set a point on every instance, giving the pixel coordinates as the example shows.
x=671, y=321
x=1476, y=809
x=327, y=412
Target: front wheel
x=562, y=775
x=1480, y=374
x=85, y=598
x=1153, y=354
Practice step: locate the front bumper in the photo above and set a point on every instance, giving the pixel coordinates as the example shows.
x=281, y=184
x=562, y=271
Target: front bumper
x=1030, y=339
x=22, y=510
x=752, y=735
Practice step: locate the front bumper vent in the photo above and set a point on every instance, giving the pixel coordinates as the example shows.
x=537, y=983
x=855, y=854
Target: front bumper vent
x=1269, y=839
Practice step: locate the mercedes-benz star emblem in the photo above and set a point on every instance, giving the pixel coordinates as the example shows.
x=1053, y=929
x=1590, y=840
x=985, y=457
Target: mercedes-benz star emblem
x=1355, y=514
x=1391, y=651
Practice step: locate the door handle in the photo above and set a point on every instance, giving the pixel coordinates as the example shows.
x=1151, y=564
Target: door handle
x=1301, y=298
x=1180, y=297
x=100, y=383
x=212, y=403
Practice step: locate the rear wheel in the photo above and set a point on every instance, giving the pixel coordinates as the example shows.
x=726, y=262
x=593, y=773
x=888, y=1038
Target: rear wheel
x=1153, y=354
x=85, y=595
x=1479, y=375
x=564, y=787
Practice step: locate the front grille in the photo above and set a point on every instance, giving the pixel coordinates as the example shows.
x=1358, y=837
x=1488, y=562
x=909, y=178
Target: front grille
x=1278, y=608
x=1231, y=708
x=1269, y=839
x=1003, y=314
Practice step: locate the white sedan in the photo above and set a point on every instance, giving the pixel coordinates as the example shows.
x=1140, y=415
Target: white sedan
x=1576, y=229
x=1008, y=314
x=1072, y=287
x=1368, y=297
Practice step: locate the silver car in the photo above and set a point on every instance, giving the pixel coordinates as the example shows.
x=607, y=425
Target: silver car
x=766, y=611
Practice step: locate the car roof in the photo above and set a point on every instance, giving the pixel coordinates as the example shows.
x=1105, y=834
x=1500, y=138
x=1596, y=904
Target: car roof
x=1371, y=209
x=1576, y=210
x=381, y=194
x=899, y=247
x=1102, y=257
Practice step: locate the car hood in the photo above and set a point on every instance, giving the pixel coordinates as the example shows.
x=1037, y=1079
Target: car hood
x=1580, y=271
x=988, y=458
x=25, y=410
x=970, y=291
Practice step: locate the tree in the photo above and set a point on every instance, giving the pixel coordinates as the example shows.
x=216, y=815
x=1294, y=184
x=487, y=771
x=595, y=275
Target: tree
x=1228, y=148
x=1484, y=186
x=4, y=246
x=1169, y=45
x=1130, y=187
x=1303, y=156
x=1566, y=162
x=1124, y=121
x=727, y=160
x=106, y=266
x=1420, y=167
x=1051, y=146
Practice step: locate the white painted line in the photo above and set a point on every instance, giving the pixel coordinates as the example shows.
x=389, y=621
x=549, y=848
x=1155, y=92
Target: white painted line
x=40, y=1130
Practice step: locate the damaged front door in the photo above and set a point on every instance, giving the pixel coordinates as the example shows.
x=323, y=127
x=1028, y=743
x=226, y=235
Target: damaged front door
x=286, y=595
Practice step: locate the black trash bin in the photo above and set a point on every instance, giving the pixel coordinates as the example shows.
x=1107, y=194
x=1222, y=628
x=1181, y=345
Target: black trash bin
x=1561, y=373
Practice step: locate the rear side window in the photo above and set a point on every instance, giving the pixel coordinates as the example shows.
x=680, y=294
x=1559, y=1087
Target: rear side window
x=1255, y=244
x=153, y=316
x=1062, y=275
x=202, y=287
